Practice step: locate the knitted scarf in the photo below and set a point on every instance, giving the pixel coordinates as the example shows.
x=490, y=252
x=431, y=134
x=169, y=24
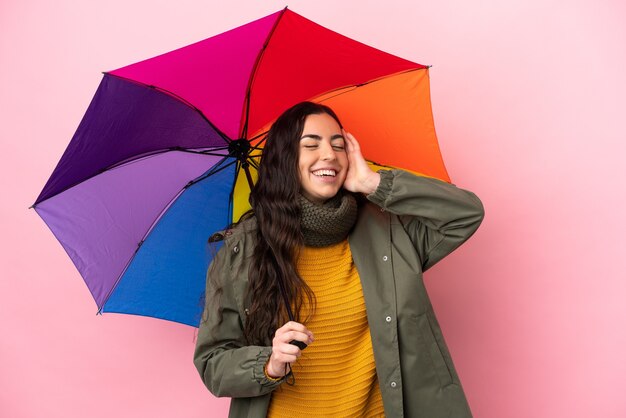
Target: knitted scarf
x=329, y=223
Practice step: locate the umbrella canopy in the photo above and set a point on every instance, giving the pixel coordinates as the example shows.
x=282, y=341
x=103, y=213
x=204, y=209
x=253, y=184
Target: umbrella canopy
x=154, y=166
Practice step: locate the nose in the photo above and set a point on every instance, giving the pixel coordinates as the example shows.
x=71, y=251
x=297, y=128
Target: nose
x=327, y=153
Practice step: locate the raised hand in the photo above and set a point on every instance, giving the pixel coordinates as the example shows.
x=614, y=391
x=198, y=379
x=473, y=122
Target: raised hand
x=360, y=178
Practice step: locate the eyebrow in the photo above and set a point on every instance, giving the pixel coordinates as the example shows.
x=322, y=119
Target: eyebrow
x=319, y=138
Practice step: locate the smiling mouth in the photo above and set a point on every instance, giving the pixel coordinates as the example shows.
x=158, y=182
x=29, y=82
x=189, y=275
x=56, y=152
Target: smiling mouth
x=325, y=173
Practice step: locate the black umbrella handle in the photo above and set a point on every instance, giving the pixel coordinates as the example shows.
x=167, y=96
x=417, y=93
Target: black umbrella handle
x=298, y=344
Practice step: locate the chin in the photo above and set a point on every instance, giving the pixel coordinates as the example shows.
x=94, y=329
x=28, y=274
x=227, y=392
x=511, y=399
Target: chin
x=328, y=196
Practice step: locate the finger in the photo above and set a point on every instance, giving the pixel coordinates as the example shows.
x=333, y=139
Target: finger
x=293, y=326
x=345, y=135
x=286, y=353
x=294, y=335
x=354, y=151
x=288, y=349
x=284, y=336
x=286, y=358
x=348, y=142
x=353, y=141
x=276, y=364
x=306, y=338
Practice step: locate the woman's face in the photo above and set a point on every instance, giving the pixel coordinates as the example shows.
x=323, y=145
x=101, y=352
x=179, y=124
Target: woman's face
x=323, y=162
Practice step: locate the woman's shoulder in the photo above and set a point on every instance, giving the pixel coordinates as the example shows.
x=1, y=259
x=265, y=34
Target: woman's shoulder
x=247, y=225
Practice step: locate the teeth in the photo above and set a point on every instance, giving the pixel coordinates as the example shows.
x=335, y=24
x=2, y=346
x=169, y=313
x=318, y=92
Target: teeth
x=322, y=173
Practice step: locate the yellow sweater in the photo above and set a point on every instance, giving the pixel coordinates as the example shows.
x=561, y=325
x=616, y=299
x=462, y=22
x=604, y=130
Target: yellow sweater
x=336, y=374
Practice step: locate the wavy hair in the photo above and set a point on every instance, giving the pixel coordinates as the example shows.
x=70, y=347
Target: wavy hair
x=274, y=201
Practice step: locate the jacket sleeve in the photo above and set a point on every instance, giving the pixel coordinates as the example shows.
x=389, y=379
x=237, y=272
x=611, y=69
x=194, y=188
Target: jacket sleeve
x=438, y=216
x=226, y=365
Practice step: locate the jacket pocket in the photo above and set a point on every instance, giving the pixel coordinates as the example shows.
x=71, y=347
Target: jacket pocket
x=433, y=350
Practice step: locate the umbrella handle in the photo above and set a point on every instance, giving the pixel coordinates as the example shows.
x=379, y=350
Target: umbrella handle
x=298, y=344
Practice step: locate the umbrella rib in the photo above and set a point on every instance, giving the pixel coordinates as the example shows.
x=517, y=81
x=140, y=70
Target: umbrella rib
x=244, y=130
x=216, y=169
x=177, y=97
x=213, y=154
x=258, y=145
x=134, y=159
x=156, y=220
x=253, y=164
x=161, y=151
x=349, y=88
x=259, y=135
x=231, y=200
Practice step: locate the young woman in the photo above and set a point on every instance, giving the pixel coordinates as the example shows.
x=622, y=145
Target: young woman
x=344, y=248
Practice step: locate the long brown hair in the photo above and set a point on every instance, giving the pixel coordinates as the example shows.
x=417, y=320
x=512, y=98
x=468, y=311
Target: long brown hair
x=274, y=201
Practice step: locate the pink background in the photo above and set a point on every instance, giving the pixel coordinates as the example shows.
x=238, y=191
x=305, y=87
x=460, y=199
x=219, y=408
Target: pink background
x=528, y=97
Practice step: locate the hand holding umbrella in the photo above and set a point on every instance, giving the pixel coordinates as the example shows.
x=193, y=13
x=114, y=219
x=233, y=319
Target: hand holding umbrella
x=284, y=351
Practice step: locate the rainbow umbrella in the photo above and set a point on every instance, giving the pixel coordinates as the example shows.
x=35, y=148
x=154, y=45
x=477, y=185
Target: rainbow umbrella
x=168, y=148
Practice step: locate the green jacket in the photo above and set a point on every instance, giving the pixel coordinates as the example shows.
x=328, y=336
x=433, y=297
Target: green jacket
x=410, y=224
